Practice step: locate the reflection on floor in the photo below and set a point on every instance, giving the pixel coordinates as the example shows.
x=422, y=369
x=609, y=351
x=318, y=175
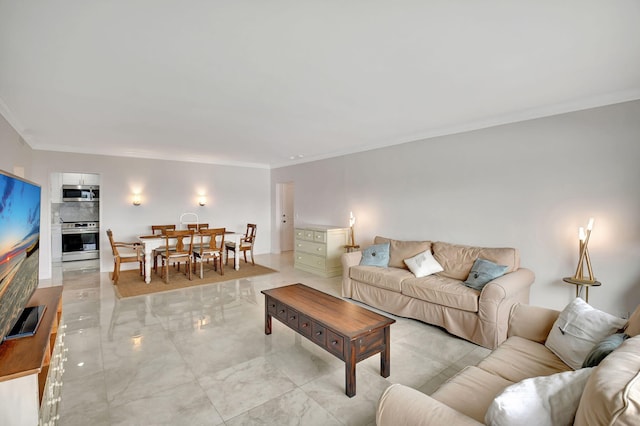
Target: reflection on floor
x=200, y=356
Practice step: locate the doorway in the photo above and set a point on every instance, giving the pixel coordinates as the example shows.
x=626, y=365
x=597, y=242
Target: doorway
x=285, y=215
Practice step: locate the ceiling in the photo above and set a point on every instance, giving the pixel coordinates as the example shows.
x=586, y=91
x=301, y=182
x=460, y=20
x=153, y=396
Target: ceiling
x=271, y=83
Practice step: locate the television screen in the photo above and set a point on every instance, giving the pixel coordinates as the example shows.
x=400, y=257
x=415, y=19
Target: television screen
x=19, y=246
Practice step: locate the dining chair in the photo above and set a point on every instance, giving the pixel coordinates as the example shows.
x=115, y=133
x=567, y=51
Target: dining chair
x=197, y=226
x=246, y=243
x=181, y=253
x=132, y=252
x=210, y=248
x=159, y=230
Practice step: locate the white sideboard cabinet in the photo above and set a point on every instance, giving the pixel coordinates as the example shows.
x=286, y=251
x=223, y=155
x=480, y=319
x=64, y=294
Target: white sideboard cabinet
x=31, y=368
x=318, y=248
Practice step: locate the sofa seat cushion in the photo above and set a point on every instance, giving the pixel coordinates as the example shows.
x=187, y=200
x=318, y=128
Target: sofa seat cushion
x=441, y=291
x=401, y=250
x=471, y=391
x=612, y=393
x=387, y=278
x=457, y=260
x=517, y=359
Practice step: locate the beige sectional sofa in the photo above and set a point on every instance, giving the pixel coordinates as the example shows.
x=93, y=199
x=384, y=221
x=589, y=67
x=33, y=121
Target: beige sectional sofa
x=441, y=299
x=610, y=396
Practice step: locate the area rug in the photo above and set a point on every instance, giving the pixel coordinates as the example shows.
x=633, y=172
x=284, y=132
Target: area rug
x=131, y=283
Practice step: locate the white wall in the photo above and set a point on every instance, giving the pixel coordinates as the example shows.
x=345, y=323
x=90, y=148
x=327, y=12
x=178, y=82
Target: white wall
x=528, y=185
x=14, y=152
x=235, y=196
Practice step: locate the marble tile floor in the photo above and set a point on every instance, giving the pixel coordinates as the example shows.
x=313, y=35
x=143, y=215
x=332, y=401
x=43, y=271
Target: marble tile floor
x=199, y=356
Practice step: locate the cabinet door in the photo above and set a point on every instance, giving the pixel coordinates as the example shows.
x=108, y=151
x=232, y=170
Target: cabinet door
x=80, y=179
x=56, y=243
x=55, y=188
x=72, y=178
x=90, y=179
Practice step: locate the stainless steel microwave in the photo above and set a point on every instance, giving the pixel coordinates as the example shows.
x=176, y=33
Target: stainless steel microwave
x=80, y=192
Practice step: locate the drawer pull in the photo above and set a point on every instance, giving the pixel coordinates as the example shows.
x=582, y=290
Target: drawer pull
x=334, y=342
x=318, y=333
x=282, y=311
x=272, y=306
x=292, y=317
x=305, y=324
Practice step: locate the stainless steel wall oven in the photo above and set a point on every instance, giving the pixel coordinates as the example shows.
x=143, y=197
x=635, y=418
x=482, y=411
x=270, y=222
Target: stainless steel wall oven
x=80, y=241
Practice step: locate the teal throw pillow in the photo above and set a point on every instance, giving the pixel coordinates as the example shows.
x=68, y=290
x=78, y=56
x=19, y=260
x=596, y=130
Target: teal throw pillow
x=482, y=272
x=603, y=348
x=376, y=255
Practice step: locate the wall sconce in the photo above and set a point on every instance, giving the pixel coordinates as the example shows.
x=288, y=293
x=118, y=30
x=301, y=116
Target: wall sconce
x=579, y=279
x=136, y=199
x=202, y=200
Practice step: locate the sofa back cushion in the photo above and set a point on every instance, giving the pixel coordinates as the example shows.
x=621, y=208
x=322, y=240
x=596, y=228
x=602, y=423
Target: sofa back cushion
x=401, y=250
x=612, y=393
x=457, y=260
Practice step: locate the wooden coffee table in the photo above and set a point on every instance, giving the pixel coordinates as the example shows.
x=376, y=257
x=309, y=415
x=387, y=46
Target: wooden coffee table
x=344, y=329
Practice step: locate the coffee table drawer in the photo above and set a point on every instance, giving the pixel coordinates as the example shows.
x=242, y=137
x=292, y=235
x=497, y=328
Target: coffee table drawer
x=335, y=344
x=271, y=306
x=304, y=326
x=318, y=334
x=292, y=318
x=281, y=311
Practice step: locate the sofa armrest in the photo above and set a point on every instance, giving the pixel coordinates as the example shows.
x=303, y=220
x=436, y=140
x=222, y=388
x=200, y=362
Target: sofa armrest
x=402, y=405
x=351, y=259
x=496, y=300
x=348, y=260
x=506, y=286
x=531, y=322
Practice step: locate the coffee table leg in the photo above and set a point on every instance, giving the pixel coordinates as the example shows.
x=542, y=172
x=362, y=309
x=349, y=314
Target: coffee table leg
x=267, y=321
x=350, y=371
x=385, y=355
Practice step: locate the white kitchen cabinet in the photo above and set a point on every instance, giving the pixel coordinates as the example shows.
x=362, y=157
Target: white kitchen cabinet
x=80, y=179
x=56, y=242
x=55, y=188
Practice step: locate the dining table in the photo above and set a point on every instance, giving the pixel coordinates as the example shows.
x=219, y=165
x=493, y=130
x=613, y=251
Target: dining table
x=153, y=242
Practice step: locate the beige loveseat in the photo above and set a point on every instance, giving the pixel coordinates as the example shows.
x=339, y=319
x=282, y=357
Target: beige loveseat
x=611, y=394
x=441, y=299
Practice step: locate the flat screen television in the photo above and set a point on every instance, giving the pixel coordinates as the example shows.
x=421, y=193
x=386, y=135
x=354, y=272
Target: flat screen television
x=19, y=250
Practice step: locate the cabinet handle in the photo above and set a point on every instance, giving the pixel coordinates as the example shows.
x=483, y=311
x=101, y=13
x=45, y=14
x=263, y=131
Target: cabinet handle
x=272, y=306
x=334, y=342
x=318, y=333
x=292, y=317
x=282, y=311
x=305, y=324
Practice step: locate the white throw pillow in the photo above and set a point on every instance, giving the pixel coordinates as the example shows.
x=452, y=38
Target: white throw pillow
x=547, y=400
x=423, y=264
x=578, y=329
